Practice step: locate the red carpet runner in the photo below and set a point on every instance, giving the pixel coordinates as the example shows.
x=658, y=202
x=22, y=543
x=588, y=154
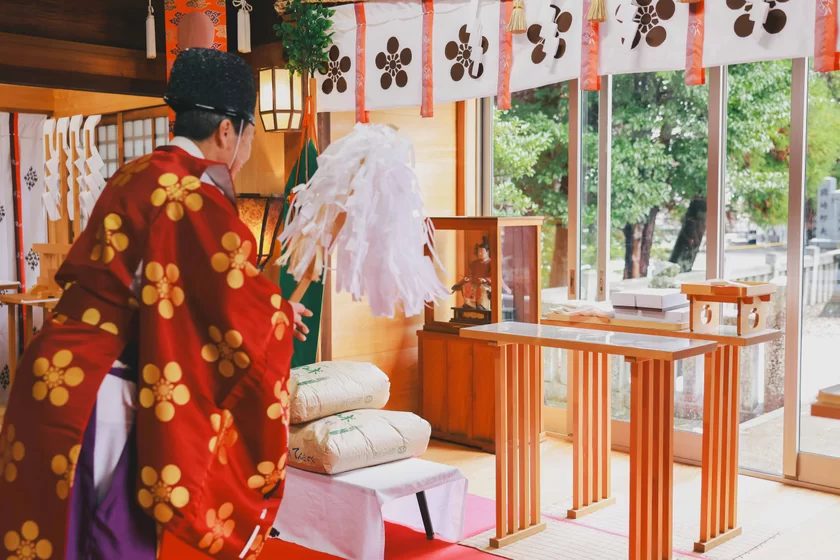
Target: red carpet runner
x=401, y=543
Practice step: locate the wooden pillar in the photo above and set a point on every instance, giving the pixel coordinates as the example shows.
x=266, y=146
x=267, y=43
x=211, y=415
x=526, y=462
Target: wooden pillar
x=592, y=438
x=651, y=459
x=721, y=423
x=518, y=424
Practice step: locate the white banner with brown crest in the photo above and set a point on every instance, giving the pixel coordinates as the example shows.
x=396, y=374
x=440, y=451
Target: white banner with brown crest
x=394, y=55
x=740, y=31
x=643, y=36
x=466, y=49
x=549, y=50
x=337, y=82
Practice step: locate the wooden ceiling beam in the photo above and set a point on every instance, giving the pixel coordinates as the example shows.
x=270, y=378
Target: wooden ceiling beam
x=35, y=61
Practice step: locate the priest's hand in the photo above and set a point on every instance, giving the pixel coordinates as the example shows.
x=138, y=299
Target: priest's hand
x=301, y=330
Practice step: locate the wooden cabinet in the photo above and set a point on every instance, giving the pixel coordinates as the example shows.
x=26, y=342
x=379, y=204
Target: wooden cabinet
x=459, y=388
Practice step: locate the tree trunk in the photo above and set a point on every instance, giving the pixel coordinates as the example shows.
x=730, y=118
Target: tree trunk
x=632, y=250
x=691, y=235
x=647, y=242
x=638, y=241
x=560, y=257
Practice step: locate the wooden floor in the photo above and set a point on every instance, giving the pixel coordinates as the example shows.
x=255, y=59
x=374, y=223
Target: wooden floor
x=808, y=522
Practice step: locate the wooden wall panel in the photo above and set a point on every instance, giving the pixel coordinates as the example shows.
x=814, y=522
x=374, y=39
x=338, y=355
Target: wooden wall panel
x=265, y=172
x=434, y=408
x=26, y=99
x=34, y=61
x=72, y=102
x=392, y=343
x=484, y=392
x=98, y=22
x=459, y=386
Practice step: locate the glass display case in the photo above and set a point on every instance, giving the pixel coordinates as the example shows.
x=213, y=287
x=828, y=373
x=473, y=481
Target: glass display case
x=492, y=266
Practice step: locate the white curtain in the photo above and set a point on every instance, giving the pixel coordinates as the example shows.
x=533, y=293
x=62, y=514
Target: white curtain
x=27, y=140
x=30, y=140
x=7, y=242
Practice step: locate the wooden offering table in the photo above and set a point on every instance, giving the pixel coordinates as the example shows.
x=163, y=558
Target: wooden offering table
x=721, y=420
x=28, y=302
x=651, y=423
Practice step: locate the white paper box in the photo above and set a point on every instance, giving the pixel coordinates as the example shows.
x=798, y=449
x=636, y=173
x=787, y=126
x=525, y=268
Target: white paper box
x=643, y=36
x=532, y=65
x=660, y=298
x=623, y=299
x=733, y=36
x=337, y=86
x=393, y=54
x=457, y=75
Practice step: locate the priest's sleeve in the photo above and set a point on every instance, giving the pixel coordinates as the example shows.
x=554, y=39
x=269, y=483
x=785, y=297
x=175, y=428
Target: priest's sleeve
x=215, y=344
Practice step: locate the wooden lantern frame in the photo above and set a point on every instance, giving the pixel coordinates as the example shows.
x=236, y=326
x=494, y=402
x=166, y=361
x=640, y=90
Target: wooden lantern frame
x=293, y=110
x=269, y=201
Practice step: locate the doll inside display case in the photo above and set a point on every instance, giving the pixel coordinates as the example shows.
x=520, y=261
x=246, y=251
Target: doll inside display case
x=476, y=289
x=492, y=265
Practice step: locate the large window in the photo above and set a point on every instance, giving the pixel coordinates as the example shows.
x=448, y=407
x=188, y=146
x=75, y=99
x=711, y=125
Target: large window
x=531, y=178
x=820, y=375
x=659, y=204
x=757, y=184
x=658, y=208
x=128, y=135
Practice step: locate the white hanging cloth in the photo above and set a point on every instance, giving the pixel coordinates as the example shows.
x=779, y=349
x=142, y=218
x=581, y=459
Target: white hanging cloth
x=366, y=181
x=151, y=47
x=51, y=196
x=243, y=25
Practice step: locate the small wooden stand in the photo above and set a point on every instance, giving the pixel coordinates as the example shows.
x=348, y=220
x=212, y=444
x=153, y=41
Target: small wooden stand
x=751, y=298
x=828, y=403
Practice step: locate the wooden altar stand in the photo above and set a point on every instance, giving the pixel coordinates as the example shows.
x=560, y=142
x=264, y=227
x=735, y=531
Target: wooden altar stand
x=651, y=425
x=721, y=420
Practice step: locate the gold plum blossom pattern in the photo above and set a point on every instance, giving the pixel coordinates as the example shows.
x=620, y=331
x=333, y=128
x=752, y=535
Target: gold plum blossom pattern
x=26, y=545
x=55, y=376
x=221, y=528
x=11, y=452
x=280, y=409
x=257, y=546
x=165, y=390
x=125, y=174
x=225, y=436
x=162, y=492
x=65, y=467
x=110, y=239
x=234, y=260
x=163, y=289
x=93, y=317
x=279, y=320
x=226, y=351
x=269, y=475
x=176, y=193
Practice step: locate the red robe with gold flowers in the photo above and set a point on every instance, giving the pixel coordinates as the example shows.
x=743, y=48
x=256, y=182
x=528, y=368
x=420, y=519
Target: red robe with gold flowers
x=214, y=341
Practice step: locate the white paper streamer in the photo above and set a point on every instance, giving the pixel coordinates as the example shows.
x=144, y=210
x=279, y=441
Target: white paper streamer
x=629, y=27
x=548, y=33
x=51, y=154
x=475, y=30
x=368, y=177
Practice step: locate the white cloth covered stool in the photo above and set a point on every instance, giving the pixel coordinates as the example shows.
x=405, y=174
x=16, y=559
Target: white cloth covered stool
x=344, y=515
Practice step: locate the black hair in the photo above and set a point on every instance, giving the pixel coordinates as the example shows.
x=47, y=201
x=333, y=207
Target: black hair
x=199, y=125
x=485, y=244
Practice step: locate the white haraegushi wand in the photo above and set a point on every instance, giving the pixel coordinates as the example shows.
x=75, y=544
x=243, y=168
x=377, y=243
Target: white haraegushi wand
x=365, y=202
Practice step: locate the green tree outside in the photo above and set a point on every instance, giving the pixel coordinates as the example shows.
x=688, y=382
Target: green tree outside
x=659, y=159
